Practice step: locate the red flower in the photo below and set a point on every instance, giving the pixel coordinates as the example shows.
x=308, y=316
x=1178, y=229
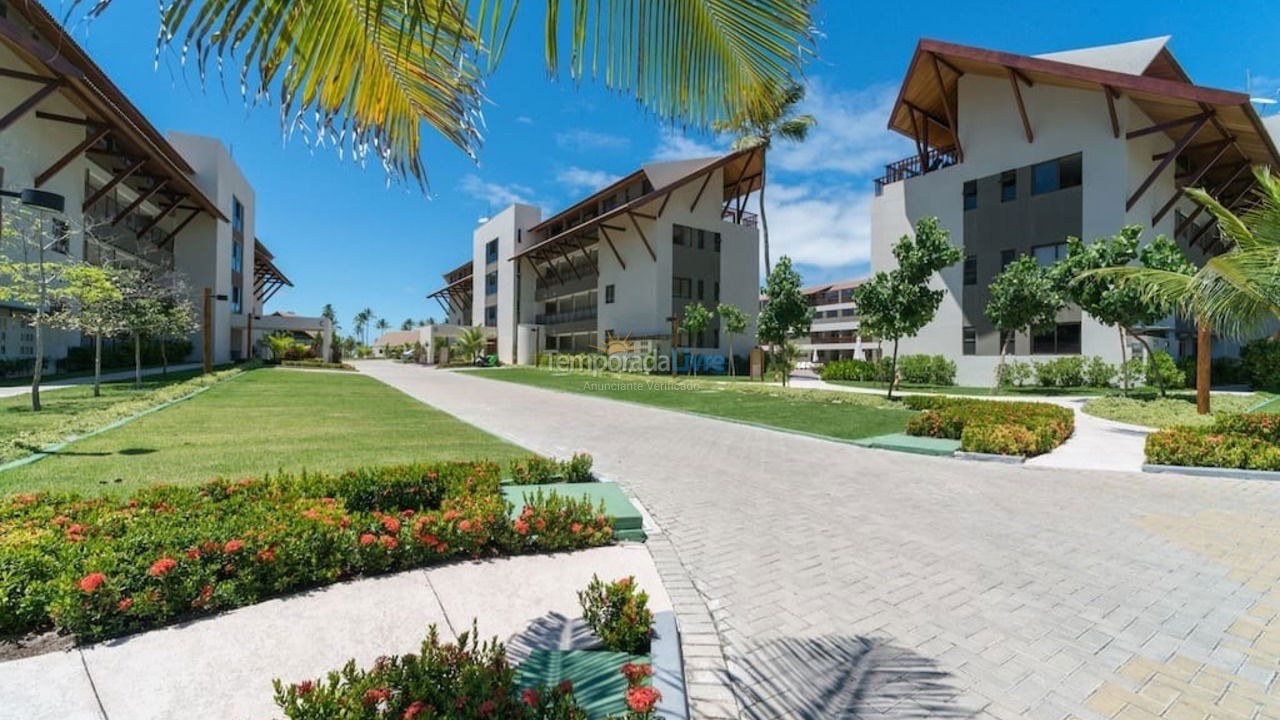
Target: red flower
x=391, y=524
x=125, y=604
x=234, y=546
x=304, y=688
x=575, y=528
x=162, y=566
x=61, y=520
x=465, y=525
x=565, y=686
x=389, y=542
x=636, y=672
x=375, y=696
x=91, y=582
x=368, y=539
x=522, y=527
x=642, y=699
x=529, y=697
x=267, y=555
x=193, y=553
x=486, y=708
x=206, y=592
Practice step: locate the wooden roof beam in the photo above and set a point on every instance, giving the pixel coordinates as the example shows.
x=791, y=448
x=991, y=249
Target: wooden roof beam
x=1195, y=178
x=605, y=232
x=142, y=197
x=57, y=166
x=119, y=178
x=1014, y=76
x=1197, y=123
x=1111, y=95
x=946, y=105
x=1239, y=168
x=1198, y=119
x=28, y=105
x=647, y=246
x=161, y=216
x=173, y=234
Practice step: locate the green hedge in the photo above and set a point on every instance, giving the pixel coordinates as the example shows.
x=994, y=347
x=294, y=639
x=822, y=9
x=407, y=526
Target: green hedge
x=537, y=470
x=1260, y=363
x=915, y=369
x=1048, y=425
x=1249, y=441
x=99, y=568
x=317, y=363
x=856, y=370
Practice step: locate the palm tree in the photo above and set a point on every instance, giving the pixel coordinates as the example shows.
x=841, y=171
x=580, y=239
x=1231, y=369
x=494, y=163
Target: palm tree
x=756, y=126
x=407, y=324
x=279, y=343
x=471, y=342
x=371, y=73
x=331, y=315
x=382, y=325
x=361, y=323
x=1237, y=292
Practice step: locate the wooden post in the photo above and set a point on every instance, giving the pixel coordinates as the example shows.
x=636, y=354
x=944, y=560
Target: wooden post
x=1204, y=352
x=208, y=330
x=249, y=334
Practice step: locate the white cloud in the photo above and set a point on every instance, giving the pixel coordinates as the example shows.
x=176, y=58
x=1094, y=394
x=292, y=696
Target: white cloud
x=580, y=179
x=580, y=139
x=496, y=194
x=524, y=119
x=851, y=135
x=818, y=225
x=674, y=144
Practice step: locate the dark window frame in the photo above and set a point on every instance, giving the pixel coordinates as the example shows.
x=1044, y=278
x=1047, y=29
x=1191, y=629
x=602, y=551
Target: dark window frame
x=971, y=270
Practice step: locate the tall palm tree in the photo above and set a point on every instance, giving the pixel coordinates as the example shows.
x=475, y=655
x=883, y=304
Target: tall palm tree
x=361, y=323
x=756, y=127
x=331, y=315
x=382, y=325
x=1237, y=293
x=371, y=72
x=407, y=324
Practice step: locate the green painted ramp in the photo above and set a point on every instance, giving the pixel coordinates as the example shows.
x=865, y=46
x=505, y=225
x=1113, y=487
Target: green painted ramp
x=901, y=442
x=597, y=678
x=627, y=524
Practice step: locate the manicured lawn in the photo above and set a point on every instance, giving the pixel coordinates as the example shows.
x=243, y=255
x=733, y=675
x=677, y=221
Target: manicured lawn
x=1177, y=409
x=1032, y=390
x=847, y=416
x=267, y=420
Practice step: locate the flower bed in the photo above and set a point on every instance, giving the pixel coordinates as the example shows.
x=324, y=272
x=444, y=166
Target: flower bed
x=990, y=426
x=1242, y=442
x=99, y=568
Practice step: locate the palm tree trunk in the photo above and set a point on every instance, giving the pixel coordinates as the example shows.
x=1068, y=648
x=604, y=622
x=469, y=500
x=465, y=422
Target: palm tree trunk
x=97, y=365
x=764, y=229
x=1204, y=349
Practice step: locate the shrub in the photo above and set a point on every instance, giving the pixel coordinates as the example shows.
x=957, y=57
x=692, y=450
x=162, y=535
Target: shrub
x=470, y=681
x=536, y=470
x=1157, y=412
x=1261, y=426
x=1067, y=371
x=851, y=369
x=1162, y=366
x=998, y=439
x=1099, y=373
x=317, y=363
x=99, y=568
x=927, y=370
x=1199, y=447
x=944, y=417
x=618, y=614
x=1260, y=362
x=1015, y=373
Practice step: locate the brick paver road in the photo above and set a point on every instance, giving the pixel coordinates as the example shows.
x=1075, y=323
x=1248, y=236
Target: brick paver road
x=831, y=581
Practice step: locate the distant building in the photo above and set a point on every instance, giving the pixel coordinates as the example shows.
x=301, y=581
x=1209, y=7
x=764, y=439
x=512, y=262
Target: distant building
x=835, y=333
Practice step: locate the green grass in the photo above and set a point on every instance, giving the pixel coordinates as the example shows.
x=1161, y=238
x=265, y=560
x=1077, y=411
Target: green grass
x=847, y=416
x=261, y=422
x=1177, y=409
x=1030, y=390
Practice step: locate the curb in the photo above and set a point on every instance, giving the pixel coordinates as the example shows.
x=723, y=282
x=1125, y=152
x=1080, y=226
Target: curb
x=668, y=667
x=1214, y=472
x=990, y=457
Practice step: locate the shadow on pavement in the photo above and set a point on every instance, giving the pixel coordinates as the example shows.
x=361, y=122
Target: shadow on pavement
x=552, y=631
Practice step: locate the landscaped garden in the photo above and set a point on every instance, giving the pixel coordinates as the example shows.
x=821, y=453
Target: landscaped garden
x=1150, y=410
x=1235, y=441
x=265, y=421
x=992, y=427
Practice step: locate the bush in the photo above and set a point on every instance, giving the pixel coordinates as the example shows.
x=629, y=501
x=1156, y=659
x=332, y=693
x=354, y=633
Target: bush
x=98, y=568
x=1161, y=366
x=317, y=363
x=943, y=417
x=1200, y=447
x=618, y=614
x=1260, y=426
x=1098, y=373
x=1015, y=373
x=471, y=680
x=851, y=369
x=998, y=440
x=1067, y=371
x=927, y=370
x=120, y=354
x=536, y=470
x=1260, y=363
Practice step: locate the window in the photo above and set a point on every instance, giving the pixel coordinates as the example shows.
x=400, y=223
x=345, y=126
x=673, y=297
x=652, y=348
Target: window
x=1062, y=340
x=61, y=237
x=677, y=234
x=717, y=297
x=491, y=283
x=846, y=295
x=1008, y=186
x=491, y=251
x=1047, y=255
x=700, y=288
x=847, y=312
x=236, y=304
x=1006, y=257
x=681, y=287
x=608, y=294
x=970, y=341
x=702, y=239
x=971, y=270
x=971, y=194
x=1056, y=174
x=237, y=215
x=491, y=315
x=717, y=237
x=237, y=256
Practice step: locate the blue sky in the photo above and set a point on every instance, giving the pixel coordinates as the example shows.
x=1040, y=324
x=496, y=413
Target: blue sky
x=343, y=236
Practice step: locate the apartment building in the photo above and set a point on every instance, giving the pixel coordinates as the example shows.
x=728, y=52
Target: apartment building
x=622, y=263
x=835, y=332
x=130, y=195
x=1015, y=153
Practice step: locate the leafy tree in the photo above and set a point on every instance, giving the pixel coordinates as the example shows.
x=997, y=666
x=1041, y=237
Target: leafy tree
x=31, y=274
x=471, y=342
x=143, y=298
x=785, y=314
x=757, y=125
x=408, y=324
x=1023, y=298
x=733, y=322
x=694, y=319
x=373, y=73
x=1111, y=300
x=898, y=303
x=91, y=304
x=176, y=316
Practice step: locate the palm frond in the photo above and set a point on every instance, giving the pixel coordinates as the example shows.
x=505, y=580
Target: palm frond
x=1233, y=229
x=797, y=128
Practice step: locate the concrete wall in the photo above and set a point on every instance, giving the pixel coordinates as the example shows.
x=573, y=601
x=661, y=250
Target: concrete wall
x=508, y=228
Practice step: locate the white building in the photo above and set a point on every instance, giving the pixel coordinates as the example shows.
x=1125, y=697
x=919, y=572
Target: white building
x=620, y=264
x=131, y=196
x=835, y=333
x=1015, y=153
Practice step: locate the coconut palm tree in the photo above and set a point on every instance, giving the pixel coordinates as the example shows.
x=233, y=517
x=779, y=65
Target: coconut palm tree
x=1237, y=293
x=471, y=342
x=279, y=343
x=756, y=127
x=331, y=315
x=361, y=323
x=370, y=73
x=382, y=325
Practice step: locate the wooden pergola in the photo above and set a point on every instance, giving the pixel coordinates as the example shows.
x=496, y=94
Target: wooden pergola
x=267, y=278
x=457, y=293
x=116, y=134
x=1216, y=134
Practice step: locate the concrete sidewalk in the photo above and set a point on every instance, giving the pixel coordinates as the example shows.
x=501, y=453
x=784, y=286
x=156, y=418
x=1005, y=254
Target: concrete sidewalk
x=221, y=668
x=16, y=390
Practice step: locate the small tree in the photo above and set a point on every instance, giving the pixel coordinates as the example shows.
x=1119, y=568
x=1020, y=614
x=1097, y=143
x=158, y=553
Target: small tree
x=144, y=305
x=471, y=342
x=92, y=306
x=1023, y=298
x=785, y=314
x=279, y=343
x=176, y=316
x=733, y=322
x=694, y=319
x=898, y=303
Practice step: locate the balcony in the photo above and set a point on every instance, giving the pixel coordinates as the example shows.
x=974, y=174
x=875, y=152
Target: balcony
x=744, y=218
x=909, y=167
x=570, y=285
x=567, y=316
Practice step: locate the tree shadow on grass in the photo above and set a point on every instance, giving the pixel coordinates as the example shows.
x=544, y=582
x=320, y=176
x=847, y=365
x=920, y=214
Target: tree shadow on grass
x=837, y=676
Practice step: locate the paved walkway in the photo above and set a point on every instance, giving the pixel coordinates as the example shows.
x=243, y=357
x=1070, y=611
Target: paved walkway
x=106, y=377
x=847, y=582
x=221, y=668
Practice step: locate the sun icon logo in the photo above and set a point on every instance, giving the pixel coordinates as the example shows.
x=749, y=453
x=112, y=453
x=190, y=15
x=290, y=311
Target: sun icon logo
x=613, y=344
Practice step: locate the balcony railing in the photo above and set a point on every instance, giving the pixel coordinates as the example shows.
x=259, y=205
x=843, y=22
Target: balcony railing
x=749, y=219
x=909, y=167
x=567, y=316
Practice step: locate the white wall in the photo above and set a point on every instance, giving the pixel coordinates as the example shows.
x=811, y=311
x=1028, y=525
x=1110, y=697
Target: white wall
x=508, y=227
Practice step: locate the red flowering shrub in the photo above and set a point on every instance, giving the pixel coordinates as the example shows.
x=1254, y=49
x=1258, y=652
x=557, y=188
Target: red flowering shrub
x=172, y=552
x=1207, y=447
x=467, y=681
x=1049, y=425
x=618, y=614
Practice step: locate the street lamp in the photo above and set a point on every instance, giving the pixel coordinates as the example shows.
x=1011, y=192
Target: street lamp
x=38, y=199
